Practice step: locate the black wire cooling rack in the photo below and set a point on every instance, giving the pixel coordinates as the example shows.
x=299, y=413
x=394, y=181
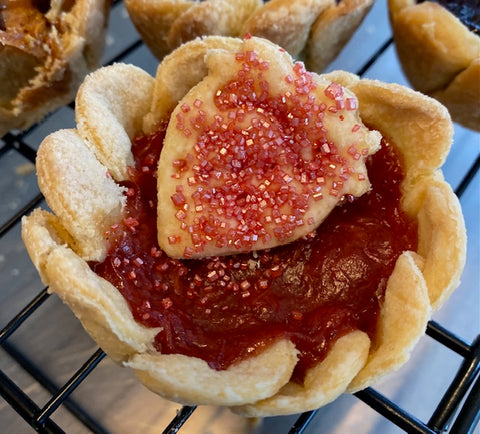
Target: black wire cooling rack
x=457, y=412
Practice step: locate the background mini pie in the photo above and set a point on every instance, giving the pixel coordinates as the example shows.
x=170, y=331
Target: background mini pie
x=46, y=49
x=311, y=30
x=440, y=54
x=94, y=163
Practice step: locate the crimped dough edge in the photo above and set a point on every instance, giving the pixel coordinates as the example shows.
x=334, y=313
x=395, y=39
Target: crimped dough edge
x=413, y=290
x=312, y=30
x=55, y=82
x=440, y=56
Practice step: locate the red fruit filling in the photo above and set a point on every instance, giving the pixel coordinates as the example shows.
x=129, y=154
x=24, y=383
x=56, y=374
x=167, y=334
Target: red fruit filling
x=223, y=309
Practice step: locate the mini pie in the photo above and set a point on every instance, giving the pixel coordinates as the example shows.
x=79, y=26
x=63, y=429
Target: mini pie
x=440, y=55
x=46, y=49
x=311, y=30
x=266, y=102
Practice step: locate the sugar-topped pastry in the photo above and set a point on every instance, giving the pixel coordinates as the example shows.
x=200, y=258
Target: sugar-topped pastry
x=251, y=161
x=329, y=311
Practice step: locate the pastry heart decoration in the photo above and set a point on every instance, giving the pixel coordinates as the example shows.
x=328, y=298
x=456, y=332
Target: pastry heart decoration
x=249, y=172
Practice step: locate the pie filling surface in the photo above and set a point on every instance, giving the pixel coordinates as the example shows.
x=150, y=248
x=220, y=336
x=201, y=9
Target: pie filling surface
x=326, y=283
x=223, y=309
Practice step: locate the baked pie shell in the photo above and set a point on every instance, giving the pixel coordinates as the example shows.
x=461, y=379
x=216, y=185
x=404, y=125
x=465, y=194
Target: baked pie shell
x=53, y=83
x=77, y=175
x=440, y=56
x=314, y=31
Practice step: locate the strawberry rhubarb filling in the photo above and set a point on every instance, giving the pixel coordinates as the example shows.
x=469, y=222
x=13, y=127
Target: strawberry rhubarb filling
x=222, y=309
x=243, y=184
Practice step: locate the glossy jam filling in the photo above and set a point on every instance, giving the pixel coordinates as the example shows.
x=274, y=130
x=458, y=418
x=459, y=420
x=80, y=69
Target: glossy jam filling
x=222, y=309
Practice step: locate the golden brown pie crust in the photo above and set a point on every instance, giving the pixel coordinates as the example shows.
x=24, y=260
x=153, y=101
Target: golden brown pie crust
x=84, y=206
x=314, y=31
x=44, y=56
x=440, y=56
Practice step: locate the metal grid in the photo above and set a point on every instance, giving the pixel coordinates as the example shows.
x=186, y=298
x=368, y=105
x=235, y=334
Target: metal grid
x=458, y=411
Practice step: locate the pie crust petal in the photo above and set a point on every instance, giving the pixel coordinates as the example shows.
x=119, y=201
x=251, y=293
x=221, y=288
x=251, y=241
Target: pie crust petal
x=87, y=201
x=403, y=319
x=191, y=381
x=109, y=120
x=439, y=56
x=96, y=303
x=323, y=383
x=311, y=30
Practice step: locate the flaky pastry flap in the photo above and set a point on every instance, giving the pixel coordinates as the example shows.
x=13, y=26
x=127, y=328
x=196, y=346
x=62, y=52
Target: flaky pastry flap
x=311, y=30
x=439, y=55
x=286, y=23
x=86, y=200
x=403, y=318
x=441, y=235
x=323, y=383
x=153, y=20
x=332, y=30
x=53, y=246
x=110, y=106
x=211, y=17
x=428, y=27
x=190, y=380
x=462, y=95
x=98, y=305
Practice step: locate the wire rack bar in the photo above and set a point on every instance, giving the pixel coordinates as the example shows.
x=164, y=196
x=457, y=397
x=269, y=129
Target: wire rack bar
x=18, y=144
x=393, y=412
x=4, y=148
x=25, y=313
x=302, y=422
x=469, y=369
x=70, y=386
x=375, y=57
x=448, y=339
x=469, y=416
x=42, y=379
x=179, y=420
x=468, y=177
x=23, y=405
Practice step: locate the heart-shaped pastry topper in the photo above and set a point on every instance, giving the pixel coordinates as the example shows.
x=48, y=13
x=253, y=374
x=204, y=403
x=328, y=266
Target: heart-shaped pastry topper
x=257, y=155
